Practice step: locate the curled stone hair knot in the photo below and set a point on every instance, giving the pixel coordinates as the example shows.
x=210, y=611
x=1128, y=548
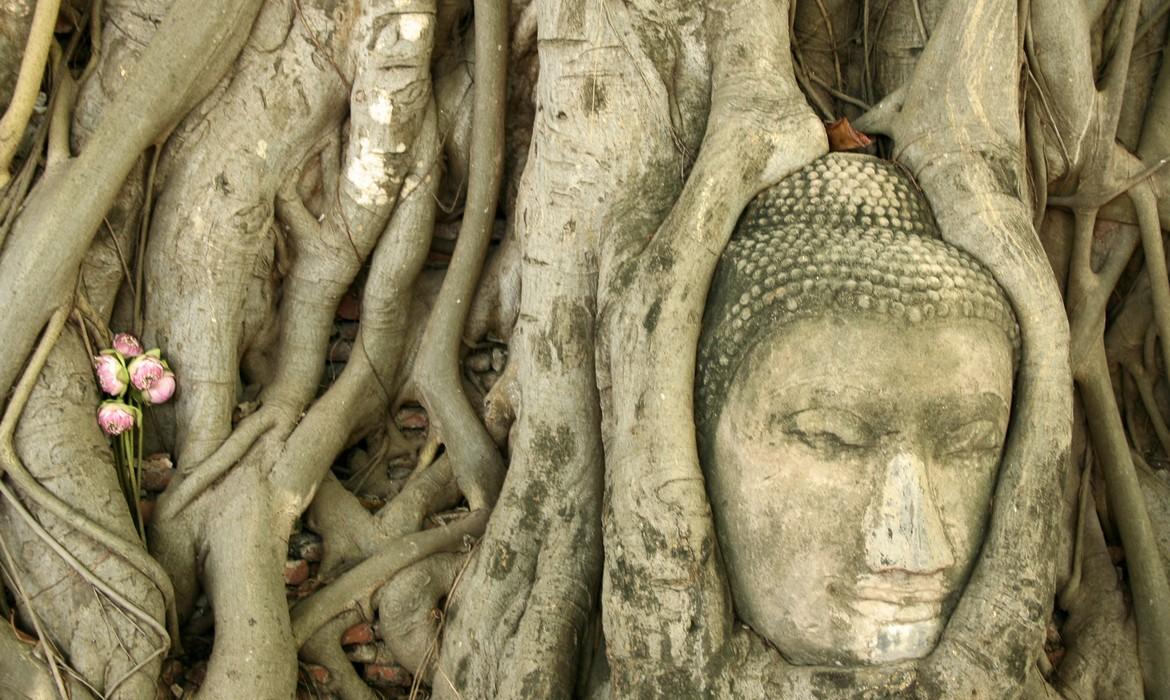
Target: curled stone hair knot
x=847, y=234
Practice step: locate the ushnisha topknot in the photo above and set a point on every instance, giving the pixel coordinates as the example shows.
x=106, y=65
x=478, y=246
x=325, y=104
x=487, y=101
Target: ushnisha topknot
x=848, y=233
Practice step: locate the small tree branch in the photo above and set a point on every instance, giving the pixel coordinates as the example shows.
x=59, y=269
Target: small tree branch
x=28, y=83
x=1147, y=574
x=1147, y=210
x=63, y=100
x=1145, y=387
x=1112, y=93
x=479, y=469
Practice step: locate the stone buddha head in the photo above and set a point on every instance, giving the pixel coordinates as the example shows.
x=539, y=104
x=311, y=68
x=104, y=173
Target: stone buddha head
x=853, y=394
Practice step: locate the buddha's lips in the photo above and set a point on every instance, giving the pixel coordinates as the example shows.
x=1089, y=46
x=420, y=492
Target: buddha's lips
x=904, y=612
x=900, y=599
x=900, y=595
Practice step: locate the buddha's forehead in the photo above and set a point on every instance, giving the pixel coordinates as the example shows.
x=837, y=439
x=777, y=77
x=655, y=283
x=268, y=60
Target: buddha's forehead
x=864, y=358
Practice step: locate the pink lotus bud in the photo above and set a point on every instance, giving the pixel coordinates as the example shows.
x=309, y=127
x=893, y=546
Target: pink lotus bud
x=128, y=345
x=111, y=373
x=115, y=417
x=145, y=370
x=161, y=390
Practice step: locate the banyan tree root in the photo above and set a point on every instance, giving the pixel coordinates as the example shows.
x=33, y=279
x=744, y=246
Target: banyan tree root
x=653, y=479
x=410, y=611
x=384, y=204
x=324, y=648
x=1129, y=344
x=61, y=464
x=24, y=95
x=351, y=536
x=357, y=586
x=15, y=21
x=523, y=606
x=1099, y=632
x=25, y=674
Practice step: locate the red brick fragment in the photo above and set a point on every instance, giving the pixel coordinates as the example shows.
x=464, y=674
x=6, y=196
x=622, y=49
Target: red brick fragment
x=196, y=674
x=370, y=502
x=157, y=471
x=317, y=674
x=361, y=633
x=411, y=418
x=387, y=676
x=296, y=571
x=843, y=137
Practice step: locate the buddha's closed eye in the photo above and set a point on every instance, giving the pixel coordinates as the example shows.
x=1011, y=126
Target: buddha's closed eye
x=972, y=439
x=826, y=429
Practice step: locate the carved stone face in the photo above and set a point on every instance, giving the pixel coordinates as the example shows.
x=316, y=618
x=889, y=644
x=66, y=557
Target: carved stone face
x=853, y=468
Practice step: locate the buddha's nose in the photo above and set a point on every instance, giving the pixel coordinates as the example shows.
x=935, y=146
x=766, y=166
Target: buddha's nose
x=903, y=528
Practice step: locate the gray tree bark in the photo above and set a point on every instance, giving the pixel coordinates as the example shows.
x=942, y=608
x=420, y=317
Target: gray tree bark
x=225, y=179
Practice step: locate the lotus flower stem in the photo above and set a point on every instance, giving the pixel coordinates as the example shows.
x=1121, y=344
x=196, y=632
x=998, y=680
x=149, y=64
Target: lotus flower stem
x=138, y=484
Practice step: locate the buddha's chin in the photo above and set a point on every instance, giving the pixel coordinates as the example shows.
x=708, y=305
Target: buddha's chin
x=869, y=642
x=891, y=642
x=881, y=632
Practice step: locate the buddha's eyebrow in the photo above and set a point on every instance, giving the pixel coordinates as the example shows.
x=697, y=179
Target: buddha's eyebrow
x=969, y=406
x=813, y=390
x=802, y=396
